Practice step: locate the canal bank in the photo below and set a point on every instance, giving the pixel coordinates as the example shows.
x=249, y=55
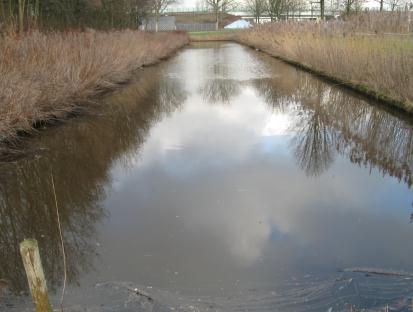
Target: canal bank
x=47, y=77
x=369, y=53
x=261, y=44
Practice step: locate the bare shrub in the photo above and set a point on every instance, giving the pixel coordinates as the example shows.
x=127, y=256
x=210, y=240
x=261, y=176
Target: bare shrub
x=49, y=75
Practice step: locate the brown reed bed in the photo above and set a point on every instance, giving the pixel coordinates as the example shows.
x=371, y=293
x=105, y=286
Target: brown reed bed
x=49, y=76
x=371, y=53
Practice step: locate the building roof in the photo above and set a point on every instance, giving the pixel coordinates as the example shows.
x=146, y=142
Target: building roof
x=238, y=24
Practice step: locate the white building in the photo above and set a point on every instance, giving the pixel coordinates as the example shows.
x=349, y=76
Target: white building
x=239, y=24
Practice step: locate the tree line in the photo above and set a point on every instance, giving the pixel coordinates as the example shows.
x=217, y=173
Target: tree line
x=78, y=14
x=111, y=14
x=276, y=8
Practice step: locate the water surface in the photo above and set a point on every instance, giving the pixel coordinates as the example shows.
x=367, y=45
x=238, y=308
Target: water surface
x=219, y=180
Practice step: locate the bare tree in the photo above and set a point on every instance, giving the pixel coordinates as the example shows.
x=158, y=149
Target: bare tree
x=322, y=8
x=394, y=4
x=274, y=8
x=139, y=10
x=350, y=6
x=61, y=14
x=257, y=8
x=219, y=7
x=200, y=6
x=158, y=7
x=293, y=6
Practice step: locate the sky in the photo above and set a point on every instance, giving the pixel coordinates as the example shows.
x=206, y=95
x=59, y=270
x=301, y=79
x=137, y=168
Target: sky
x=187, y=3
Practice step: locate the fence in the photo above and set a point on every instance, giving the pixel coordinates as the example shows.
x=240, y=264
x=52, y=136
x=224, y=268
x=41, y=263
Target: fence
x=196, y=27
x=165, y=23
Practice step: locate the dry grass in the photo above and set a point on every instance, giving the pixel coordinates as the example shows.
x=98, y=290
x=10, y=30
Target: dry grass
x=220, y=35
x=356, y=51
x=49, y=76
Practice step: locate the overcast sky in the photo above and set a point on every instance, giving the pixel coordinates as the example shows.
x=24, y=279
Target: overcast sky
x=187, y=3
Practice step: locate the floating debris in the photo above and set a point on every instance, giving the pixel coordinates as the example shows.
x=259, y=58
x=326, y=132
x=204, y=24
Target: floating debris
x=141, y=293
x=378, y=271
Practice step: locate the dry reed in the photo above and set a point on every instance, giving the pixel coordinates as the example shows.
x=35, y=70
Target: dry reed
x=358, y=51
x=46, y=76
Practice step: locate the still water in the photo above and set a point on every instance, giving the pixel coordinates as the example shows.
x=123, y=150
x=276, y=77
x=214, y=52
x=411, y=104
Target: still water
x=219, y=180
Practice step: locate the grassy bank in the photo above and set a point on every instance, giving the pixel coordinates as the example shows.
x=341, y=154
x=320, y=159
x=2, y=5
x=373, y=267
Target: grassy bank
x=219, y=35
x=369, y=53
x=46, y=76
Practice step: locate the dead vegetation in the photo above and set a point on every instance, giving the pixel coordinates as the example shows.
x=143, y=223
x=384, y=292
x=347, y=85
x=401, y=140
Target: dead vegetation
x=46, y=76
x=372, y=51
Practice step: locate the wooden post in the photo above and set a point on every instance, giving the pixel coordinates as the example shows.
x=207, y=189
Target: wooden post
x=29, y=250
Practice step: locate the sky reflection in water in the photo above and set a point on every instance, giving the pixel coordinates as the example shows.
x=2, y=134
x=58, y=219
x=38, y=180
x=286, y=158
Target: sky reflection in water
x=238, y=187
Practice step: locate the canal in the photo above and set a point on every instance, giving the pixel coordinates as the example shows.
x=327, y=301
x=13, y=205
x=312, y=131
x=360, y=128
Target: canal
x=220, y=180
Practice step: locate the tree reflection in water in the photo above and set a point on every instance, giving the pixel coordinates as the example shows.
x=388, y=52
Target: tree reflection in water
x=313, y=145
x=80, y=155
x=331, y=121
x=220, y=90
x=219, y=85
x=314, y=141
